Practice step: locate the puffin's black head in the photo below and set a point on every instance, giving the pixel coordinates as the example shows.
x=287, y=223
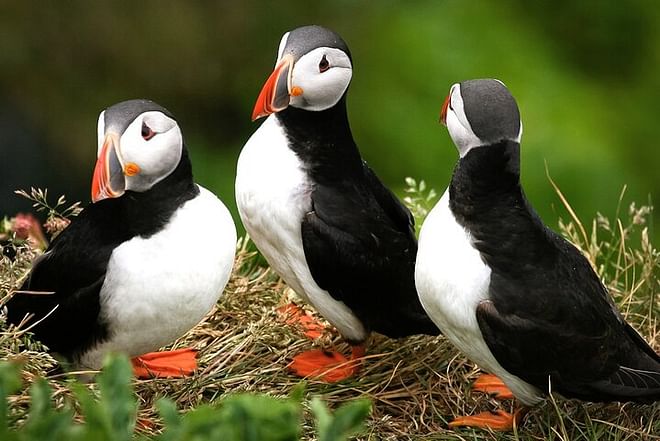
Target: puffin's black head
x=139, y=144
x=480, y=112
x=312, y=72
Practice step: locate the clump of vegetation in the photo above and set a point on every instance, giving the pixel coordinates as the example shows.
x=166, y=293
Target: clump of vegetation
x=110, y=413
x=419, y=200
x=416, y=385
x=57, y=215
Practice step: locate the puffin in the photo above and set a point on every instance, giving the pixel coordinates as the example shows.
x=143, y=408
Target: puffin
x=139, y=266
x=515, y=297
x=318, y=213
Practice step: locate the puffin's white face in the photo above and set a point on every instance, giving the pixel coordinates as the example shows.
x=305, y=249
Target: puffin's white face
x=457, y=123
x=146, y=152
x=320, y=78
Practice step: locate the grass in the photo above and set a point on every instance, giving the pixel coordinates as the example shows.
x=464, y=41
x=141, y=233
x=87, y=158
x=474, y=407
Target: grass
x=416, y=384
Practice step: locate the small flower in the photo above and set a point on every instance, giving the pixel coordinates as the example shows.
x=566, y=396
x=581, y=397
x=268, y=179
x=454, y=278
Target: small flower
x=27, y=227
x=55, y=225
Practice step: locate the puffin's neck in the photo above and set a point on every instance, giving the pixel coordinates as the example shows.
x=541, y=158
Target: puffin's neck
x=145, y=213
x=486, y=198
x=322, y=141
x=485, y=181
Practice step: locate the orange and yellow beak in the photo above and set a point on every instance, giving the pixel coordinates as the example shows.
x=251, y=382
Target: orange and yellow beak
x=443, y=112
x=108, y=180
x=276, y=93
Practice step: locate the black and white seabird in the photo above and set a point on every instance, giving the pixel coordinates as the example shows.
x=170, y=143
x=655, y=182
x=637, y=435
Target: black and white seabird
x=143, y=263
x=515, y=297
x=316, y=211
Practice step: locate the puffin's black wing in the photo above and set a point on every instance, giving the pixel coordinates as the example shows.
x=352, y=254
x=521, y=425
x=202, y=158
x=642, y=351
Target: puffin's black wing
x=398, y=213
x=73, y=269
x=554, y=319
x=360, y=247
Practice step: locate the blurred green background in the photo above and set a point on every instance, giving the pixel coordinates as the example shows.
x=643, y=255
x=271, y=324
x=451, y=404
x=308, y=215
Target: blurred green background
x=586, y=75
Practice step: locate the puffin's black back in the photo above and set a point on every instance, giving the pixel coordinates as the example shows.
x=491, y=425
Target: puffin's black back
x=359, y=240
x=75, y=264
x=549, y=314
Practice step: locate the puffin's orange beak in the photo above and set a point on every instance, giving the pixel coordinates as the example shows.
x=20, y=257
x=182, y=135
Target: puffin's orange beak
x=275, y=94
x=443, y=112
x=108, y=180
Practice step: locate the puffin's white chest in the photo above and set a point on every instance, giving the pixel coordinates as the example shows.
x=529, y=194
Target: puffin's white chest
x=159, y=287
x=451, y=280
x=450, y=276
x=272, y=195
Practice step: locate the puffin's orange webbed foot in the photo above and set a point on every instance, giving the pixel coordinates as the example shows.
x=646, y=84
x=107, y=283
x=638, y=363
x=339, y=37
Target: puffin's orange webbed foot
x=294, y=315
x=329, y=366
x=499, y=420
x=166, y=364
x=492, y=385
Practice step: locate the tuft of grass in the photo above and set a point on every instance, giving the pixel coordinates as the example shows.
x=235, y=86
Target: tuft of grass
x=60, y=209
x=419, y=200
x=415, y=385
x=109, y=414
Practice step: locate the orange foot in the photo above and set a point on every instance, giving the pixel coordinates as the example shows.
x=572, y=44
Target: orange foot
x=500, y=420
x=492, y=385
x=178, y=363
x=329, y=366
x=296, y=316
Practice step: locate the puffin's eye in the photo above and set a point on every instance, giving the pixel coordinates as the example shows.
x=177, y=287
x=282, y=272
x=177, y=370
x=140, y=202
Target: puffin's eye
x=147, y=133
x=324, y=64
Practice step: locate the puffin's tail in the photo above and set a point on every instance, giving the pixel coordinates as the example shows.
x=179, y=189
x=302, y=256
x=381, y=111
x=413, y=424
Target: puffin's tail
x=630, y=384
x=638, y=378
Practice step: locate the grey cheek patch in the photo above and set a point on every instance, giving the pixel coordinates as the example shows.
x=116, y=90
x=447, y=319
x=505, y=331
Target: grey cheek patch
x=116, y=173
x=281, y=98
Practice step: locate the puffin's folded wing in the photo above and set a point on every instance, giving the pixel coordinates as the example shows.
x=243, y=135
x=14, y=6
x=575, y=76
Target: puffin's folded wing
x=397, y=212
x=65, y=321
x=594, y=361
x=66, y=282
x=338, y=261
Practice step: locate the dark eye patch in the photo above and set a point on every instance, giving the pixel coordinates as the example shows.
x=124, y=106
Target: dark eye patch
x=147, y=132
x=324, y=64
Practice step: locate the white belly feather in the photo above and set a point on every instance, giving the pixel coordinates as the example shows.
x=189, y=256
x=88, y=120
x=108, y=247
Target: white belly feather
x=273, y=195
x=157, y=288
x=451, y=280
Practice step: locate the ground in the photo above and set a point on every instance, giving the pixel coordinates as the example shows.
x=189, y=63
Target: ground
x=417, y=384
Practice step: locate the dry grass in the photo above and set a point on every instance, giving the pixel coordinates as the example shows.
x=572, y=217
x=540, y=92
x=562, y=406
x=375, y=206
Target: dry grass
x=416, y=384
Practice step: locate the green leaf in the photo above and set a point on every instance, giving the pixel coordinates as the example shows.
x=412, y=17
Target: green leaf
x=347, y=420
x=298, y=392
x=171, y=420
x=44, y=422
x=117, y=399
x=238, y=417
x=322, y=416
x=112, y=417
x=262, y=418
x=10, y=382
